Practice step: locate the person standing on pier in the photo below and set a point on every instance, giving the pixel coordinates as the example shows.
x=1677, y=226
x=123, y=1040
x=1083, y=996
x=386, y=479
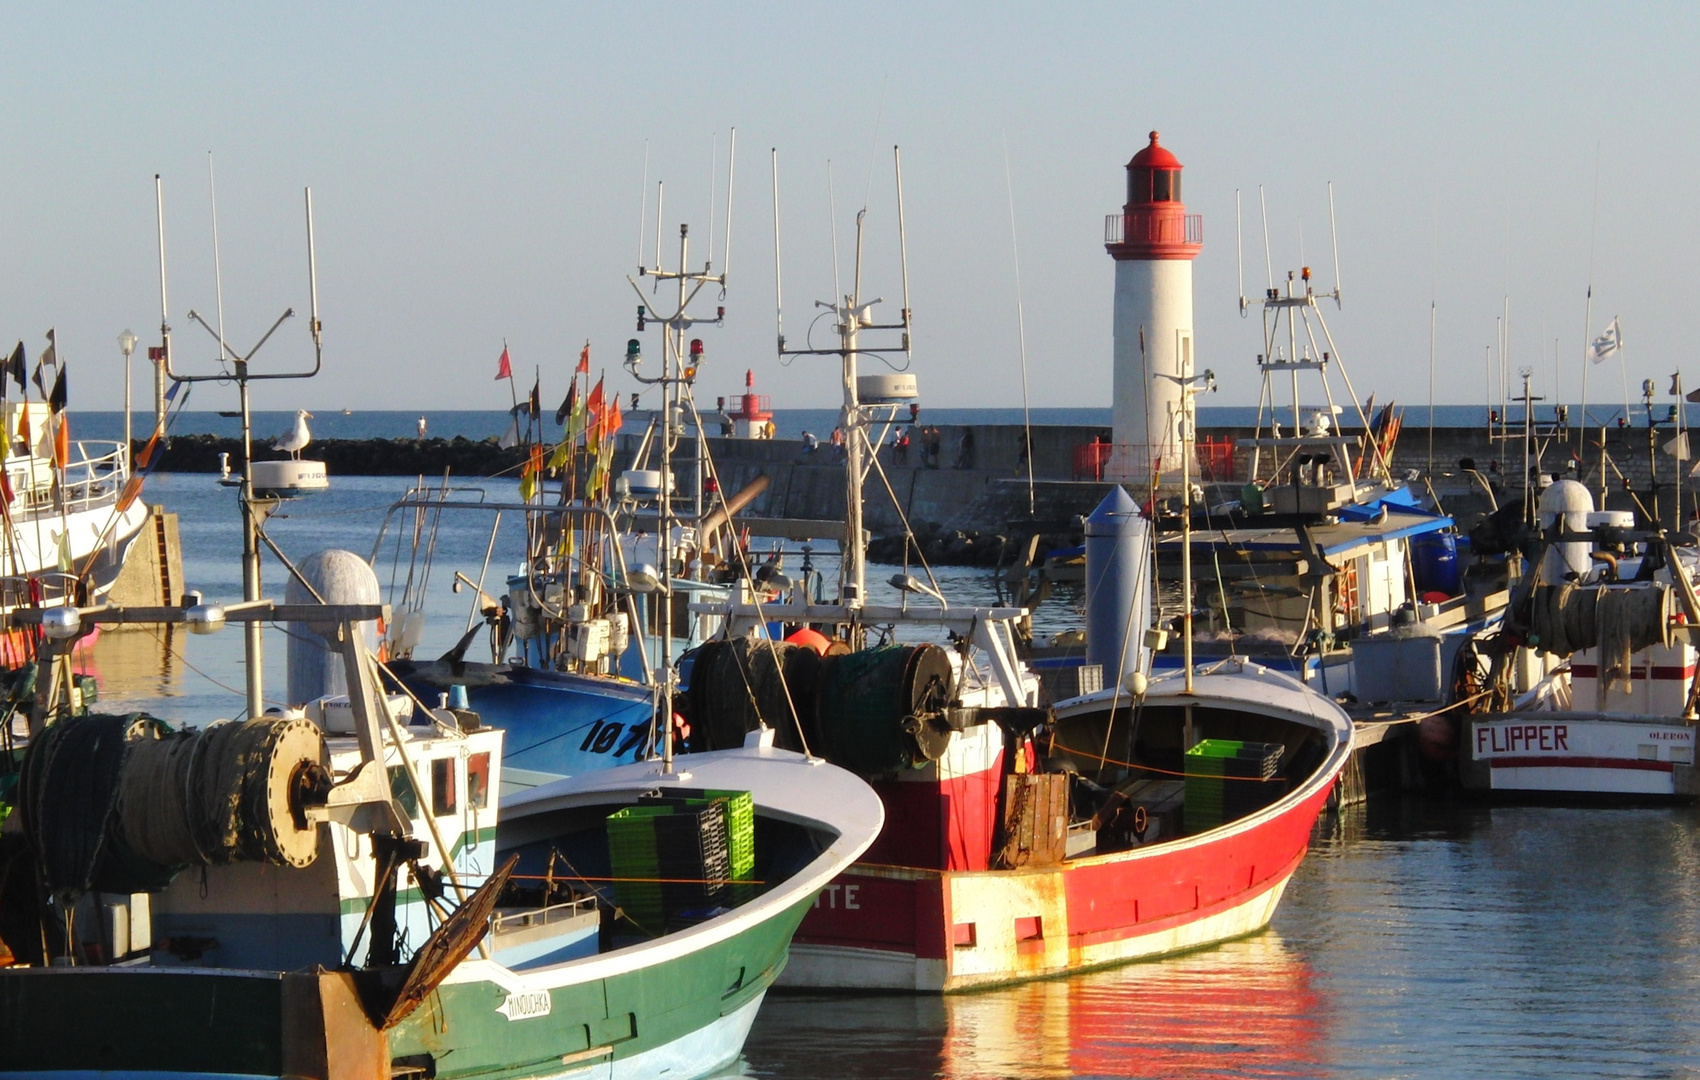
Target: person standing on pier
x=965, y=449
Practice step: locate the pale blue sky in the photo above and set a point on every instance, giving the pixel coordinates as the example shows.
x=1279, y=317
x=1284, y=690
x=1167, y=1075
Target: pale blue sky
x=476, y=174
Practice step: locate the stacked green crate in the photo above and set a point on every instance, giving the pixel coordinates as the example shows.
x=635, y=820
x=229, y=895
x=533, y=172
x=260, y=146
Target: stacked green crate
x=741, y=836
x=636, y=866
x=1227, y=779
x=691, y=850
x=740, y=831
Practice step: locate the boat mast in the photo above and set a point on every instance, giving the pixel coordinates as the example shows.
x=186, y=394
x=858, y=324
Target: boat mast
x=853, y=315
x=256, y=510
x=678, y=370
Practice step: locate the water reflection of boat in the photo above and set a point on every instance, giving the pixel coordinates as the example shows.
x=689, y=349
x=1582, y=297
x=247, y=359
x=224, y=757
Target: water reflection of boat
x=1248, y=1008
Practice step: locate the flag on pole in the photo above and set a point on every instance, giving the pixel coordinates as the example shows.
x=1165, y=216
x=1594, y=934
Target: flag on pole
x=15, y=368
x=593, y=417
x=611, y=419
x=569, y=404
x=510, y=438
x=61, y=425
x=558, y=456
x=49, y=358
x=504, y=370
x=529, y=474
x=535, y=404
x=583, y=360
x=56, y=399
x=1608, y=343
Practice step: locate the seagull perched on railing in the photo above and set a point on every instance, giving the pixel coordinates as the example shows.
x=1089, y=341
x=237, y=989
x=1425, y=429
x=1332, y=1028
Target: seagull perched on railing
x=297, y=440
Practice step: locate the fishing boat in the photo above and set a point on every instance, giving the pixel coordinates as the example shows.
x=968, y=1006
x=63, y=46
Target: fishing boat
x=1591, y=691
x=1032, y=841
x=585, y=639
x=70, y=516
x=302, y=894
x=334, y=889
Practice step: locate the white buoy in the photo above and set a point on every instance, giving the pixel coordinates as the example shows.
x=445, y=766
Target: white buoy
x=339, y=577
x=1118, y=597
x=1569, y=502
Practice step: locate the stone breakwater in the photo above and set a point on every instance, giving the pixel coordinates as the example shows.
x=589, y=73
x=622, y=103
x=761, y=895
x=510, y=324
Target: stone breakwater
x=972, y=493
x=355, y=457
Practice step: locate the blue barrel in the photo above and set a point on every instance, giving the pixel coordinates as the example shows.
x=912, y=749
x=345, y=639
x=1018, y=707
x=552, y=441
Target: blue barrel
x=1434, y=563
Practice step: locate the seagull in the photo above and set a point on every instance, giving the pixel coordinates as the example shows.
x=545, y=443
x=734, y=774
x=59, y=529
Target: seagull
x=296, y=440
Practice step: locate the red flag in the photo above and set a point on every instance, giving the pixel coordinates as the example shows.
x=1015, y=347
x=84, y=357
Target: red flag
x=611, y=419
x=503, y=369
x=593, y=408
x=583, y=361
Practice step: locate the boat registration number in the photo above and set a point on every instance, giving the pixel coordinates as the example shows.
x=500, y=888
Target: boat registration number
x=525, y=1005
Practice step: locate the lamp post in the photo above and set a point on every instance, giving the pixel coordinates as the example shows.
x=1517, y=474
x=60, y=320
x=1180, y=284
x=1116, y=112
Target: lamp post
x=127, y=342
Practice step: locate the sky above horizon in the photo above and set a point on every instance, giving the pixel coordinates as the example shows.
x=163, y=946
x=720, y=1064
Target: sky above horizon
x=478, y=173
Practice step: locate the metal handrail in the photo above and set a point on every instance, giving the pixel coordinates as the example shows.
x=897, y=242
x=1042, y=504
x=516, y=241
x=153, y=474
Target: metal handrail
x=86, y=483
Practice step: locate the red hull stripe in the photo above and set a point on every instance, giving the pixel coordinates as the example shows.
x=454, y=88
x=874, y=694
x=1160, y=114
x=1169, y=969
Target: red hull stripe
x=1579, y=763
x=1660, y=671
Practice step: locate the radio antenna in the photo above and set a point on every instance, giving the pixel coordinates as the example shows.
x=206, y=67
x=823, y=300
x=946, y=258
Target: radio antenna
x=902, y=250
x=1334, y=239
x=660, y=192
x=713, y=168
x=643, y=205
x=1239, y=251
x=164, y=361
x=218, y=271
x=778, y=290
x=726, y=255
x=1268, y=265
x=832, y=217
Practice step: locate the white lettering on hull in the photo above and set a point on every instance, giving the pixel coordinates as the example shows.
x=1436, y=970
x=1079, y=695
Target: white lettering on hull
x=526, y=1005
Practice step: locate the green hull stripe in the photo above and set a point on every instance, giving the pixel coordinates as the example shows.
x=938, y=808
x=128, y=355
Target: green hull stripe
x=144, y=1019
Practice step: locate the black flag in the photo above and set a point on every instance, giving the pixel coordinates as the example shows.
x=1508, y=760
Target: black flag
x=570, y=403
x=49, y=358
x=15, y=368
x=56, y=399
x=535, y=404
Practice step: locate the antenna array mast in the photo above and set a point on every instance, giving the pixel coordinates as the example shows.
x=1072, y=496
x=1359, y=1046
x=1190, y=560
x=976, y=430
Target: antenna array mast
x=1293, y=313
x=679, y=363
x=857, y=419
x=255, y=509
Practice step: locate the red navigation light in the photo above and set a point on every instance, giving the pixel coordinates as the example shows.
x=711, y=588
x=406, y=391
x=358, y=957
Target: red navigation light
x=696, y=347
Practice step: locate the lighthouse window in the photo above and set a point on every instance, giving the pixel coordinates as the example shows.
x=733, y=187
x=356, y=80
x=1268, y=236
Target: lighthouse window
x=1138, y=186
x=1165, y=185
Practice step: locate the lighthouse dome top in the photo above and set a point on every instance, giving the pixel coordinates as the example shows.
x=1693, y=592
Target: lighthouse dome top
x=1154, y=156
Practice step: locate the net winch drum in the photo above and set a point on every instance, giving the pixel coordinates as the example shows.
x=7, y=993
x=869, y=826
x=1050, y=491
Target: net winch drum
x=289, y=479
x=887, y=388
x=884, y=709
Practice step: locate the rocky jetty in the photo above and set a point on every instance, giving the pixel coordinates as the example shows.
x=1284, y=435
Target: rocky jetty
x=357, y=457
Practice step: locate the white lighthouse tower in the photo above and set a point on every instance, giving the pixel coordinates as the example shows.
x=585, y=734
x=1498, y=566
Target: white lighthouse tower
x=1153, y=241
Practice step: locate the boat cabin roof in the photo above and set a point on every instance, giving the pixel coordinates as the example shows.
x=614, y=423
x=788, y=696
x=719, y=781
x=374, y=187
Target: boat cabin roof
x=1337, y=538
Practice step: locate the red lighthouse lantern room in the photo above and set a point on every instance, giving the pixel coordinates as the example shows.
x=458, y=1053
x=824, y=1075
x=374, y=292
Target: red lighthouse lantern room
x=1154, y=223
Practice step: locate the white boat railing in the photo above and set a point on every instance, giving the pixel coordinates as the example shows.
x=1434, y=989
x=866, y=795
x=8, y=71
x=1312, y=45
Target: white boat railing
x=93, y=478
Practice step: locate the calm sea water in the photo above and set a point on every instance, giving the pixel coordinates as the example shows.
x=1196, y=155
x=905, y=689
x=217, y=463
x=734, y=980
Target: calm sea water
x=1418, y=938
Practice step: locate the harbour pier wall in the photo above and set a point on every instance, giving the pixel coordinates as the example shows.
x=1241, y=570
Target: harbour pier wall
x=980, y=484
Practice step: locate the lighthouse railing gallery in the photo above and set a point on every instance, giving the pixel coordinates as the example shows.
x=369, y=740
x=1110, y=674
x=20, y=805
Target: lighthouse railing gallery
x=1147, y=229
